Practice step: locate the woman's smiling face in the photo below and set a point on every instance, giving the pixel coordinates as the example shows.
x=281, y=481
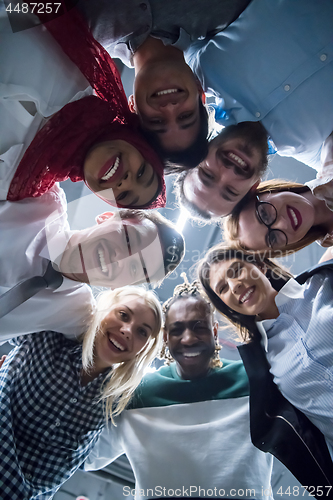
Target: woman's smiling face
x=242, y=286
x=124, y=332
x=294, y=216
x=120, y=175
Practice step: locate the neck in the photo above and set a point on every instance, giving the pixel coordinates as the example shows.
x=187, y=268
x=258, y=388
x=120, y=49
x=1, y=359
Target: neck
x=323, y=215
x=88, y=376
x=153, y=50
x=187, y=375
x=271, y=311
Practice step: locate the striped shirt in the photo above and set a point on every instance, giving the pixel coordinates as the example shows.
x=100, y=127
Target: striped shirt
x=49, y=422
x=299, y=347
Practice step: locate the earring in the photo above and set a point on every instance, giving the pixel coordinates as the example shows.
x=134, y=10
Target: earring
x=165, y=354
x=215, y=362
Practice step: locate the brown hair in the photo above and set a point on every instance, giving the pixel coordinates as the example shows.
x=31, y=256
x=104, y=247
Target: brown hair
x=231, y=223
x=277, y=275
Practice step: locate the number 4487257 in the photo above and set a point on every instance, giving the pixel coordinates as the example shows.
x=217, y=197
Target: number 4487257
x=295, y=491
x=34, y=8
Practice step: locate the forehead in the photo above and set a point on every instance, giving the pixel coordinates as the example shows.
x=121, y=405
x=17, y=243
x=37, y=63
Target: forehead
x=188, y=309
x=136, y=303
x=136, y=228
x=221, y=267
x=223, y=270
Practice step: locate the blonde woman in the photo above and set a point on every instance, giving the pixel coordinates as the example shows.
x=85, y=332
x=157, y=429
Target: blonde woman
x=57, y=394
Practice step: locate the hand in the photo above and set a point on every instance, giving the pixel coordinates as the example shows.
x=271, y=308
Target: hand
x=2, y=360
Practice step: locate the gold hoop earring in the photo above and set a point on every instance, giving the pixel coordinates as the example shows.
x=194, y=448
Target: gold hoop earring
x=165, y=354
x=215, y=362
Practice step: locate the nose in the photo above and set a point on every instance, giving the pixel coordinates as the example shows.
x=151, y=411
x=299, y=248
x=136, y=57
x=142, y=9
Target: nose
x=126, y=330
x=226, y=176
x=169, y=105
x=126, y=181
x=188, y=337
x=281, y=222
x=235, y=286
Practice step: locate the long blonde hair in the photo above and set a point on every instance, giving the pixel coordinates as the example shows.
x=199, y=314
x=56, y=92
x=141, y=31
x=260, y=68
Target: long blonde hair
x=231, y=223
x=126, y=376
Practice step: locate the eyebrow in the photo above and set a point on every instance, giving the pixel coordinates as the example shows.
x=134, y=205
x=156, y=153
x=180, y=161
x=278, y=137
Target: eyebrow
x=144, y=324
x=228, y=195
x=188, y=125
x=182, y=127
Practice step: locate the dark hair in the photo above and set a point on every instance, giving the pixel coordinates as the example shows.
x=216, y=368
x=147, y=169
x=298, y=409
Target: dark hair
x=277, y=276
x=177, y=161
x=172, y=242
x=184, y=291
x=231, y=223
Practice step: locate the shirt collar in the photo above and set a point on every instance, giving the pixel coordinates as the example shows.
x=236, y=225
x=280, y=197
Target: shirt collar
x=291, y=290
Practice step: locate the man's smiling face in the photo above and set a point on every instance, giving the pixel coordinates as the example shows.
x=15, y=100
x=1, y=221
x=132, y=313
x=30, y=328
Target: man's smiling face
x=166, y=98
x=235, y=161
x=190, y=335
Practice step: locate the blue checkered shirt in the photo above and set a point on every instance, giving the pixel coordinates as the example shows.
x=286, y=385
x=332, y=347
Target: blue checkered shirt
x=49, y=422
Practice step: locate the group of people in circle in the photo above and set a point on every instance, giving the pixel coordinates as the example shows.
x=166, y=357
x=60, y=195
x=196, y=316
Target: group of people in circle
x=74, y=388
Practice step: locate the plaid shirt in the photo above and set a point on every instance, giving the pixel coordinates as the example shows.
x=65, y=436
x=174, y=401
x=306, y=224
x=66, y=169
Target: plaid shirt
x=49, y=422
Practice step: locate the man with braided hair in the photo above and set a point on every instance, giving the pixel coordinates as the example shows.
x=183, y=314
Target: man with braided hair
x=186, y=432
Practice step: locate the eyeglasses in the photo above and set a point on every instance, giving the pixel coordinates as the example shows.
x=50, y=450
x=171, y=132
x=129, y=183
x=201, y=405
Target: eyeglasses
x=267, y=214
x=139, y=252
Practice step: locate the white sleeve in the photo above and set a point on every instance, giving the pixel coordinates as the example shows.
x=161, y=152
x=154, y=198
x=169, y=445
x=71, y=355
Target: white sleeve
x=107, y=449
x=67, y=310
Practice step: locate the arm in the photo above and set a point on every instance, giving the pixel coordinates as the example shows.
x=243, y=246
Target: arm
x=107, y=448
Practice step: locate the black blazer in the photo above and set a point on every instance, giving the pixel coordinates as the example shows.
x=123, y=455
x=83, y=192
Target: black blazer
x=278, y=427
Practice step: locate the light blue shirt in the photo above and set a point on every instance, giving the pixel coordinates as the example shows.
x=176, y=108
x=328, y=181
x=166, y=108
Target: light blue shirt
x=299, y=348
x=274, y=64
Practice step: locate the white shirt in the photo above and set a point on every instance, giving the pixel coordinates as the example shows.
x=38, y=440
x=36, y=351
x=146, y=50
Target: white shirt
x=299, y=348
x=23, y=246
x=33, y=69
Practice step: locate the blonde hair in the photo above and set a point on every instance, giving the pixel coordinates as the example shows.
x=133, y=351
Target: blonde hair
x=231, y=223
x=126, y=376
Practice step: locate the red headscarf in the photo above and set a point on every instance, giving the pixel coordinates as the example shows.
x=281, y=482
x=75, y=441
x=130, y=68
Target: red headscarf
x=59, y=148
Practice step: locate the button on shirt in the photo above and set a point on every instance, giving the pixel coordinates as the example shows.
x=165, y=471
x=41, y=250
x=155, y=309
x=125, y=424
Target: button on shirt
x=299, y=348
x=44, y=436
x=269, y=64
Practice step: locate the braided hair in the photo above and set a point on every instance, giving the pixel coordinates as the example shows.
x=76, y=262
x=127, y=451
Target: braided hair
x=186, y=290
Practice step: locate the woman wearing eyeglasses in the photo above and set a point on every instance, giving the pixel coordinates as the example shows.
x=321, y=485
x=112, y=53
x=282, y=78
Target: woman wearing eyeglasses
x=283, y=216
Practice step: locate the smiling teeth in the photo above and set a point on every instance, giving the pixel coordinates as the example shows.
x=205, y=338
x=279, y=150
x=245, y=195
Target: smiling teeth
x=293, y=216
x=237, y=159
x=112, y=170
x=246, y=296
x=102, y=261
x=190, y=354
x=169, y=91
x=119, y=346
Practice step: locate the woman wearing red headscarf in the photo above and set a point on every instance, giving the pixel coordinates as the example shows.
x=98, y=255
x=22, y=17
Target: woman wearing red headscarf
x=95, y=138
